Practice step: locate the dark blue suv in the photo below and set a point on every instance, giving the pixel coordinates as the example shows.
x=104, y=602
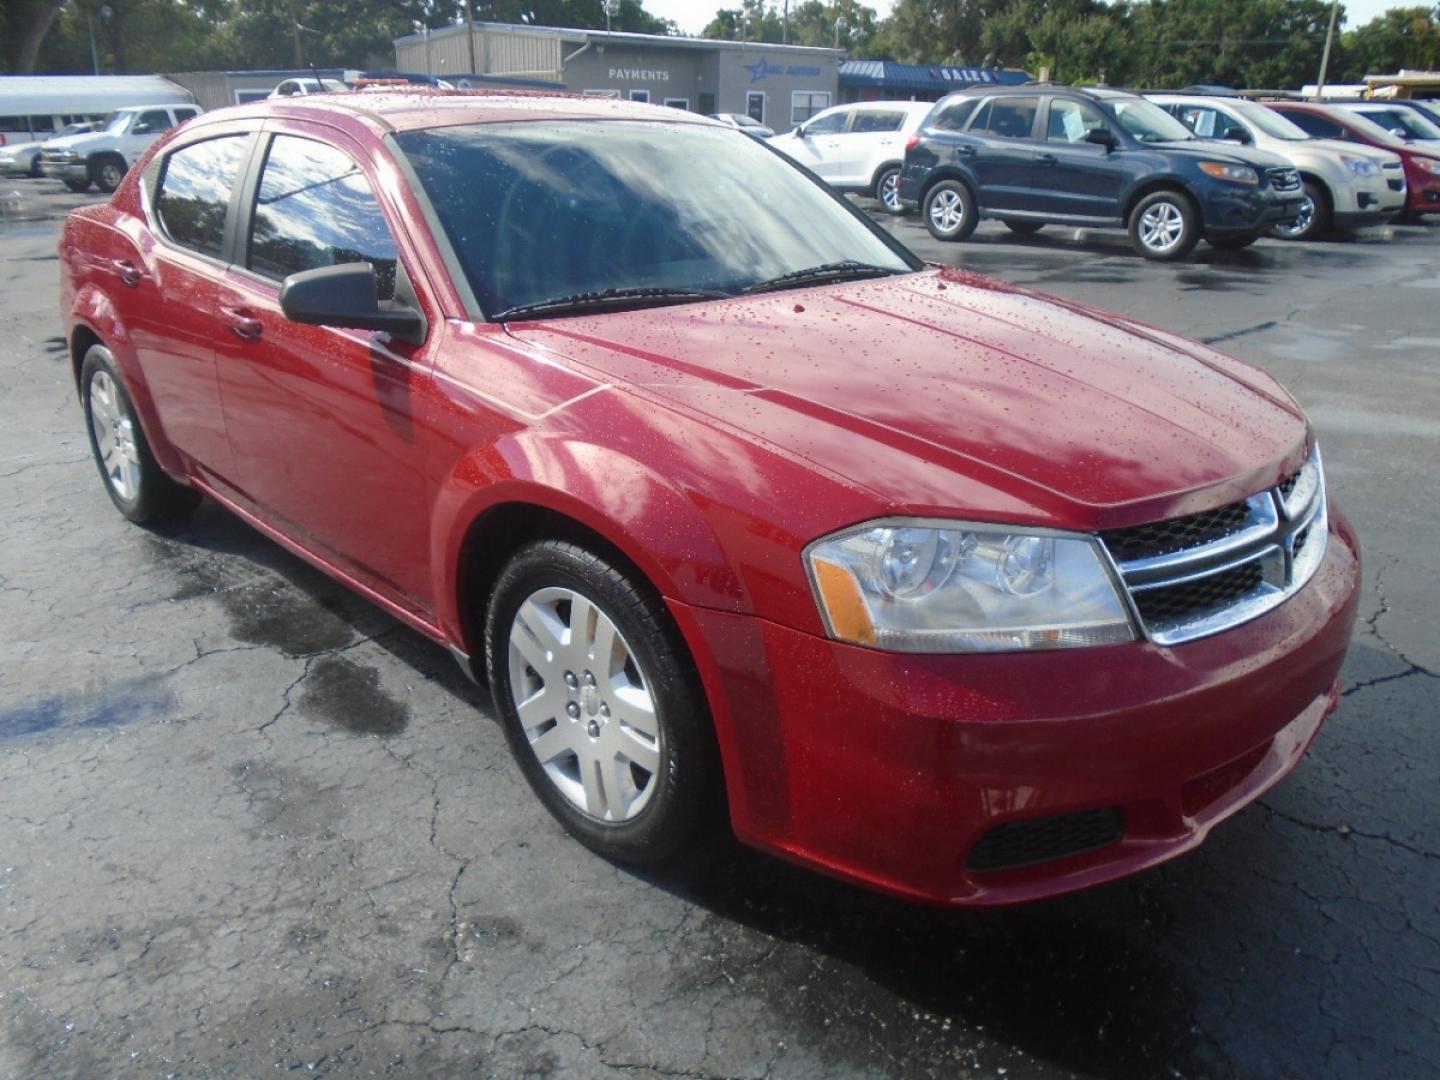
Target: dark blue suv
x=1031, y=155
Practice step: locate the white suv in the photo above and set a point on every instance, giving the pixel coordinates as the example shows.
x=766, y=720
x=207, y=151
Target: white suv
x=103, y=156
x=858, y=147
x=1346, y=184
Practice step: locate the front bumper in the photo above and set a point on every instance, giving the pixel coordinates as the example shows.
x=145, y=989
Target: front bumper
x=65, y=170
x=887, y=770
x=1423, y=197
x=1232, y=208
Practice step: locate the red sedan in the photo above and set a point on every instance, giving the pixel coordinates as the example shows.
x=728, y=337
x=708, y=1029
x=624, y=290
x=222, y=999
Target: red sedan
x=1421, y=158
x=942, y=586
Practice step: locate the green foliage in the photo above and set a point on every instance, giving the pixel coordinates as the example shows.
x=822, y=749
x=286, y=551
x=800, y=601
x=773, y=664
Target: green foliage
x=811, y=22
x=1402, y=37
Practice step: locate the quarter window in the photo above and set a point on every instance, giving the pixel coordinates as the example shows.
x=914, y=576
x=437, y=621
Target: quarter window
x=195, y=192
x=315, y=208
x=806, y=103
x=952, y=117
x=1009, y=118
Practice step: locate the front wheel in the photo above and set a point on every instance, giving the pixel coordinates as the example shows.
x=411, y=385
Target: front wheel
x=1164, y=226
x=1312, y=220
x=950, y=212
x=1231, y=241
x=108, y=174
x=887, y=190
x=596, y=702
x=133, y=479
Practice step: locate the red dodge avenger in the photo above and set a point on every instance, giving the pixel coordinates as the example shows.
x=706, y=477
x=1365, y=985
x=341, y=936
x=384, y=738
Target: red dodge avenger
x=938, y=585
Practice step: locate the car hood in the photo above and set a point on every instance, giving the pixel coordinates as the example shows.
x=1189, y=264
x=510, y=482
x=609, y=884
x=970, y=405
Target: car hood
x=79, y=142
x=944, y=392
x=16, y=147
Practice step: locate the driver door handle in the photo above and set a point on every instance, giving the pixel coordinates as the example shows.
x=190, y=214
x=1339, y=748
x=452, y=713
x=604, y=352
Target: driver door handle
x=1045, y=159
x=242, y=321
x=127, y=272
x=967, y=149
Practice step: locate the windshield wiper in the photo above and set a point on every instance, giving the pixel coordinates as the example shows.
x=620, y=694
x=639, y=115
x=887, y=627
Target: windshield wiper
x=609, y=299
x=834, y=271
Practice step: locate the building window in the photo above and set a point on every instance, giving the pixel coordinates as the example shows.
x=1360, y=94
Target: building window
x=755, y=105
x=640, y=95
x=806, y=103
x=678, y=103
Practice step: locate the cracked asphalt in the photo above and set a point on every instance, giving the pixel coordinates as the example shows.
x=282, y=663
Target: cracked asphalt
x=249, y=824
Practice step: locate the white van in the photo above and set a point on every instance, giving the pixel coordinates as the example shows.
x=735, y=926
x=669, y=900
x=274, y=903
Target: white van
x=33, y=108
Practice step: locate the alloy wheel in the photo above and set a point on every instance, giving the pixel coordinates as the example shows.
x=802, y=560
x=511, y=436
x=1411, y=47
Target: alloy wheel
x=947, y=210
x=890, y=191
x=1162, y=226
x=585, y=704
x=114, y=436
x=1301, y=225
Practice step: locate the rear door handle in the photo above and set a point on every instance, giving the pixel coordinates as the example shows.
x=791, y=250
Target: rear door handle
x=242, y=321
x=127, y=272
x=1045, y=159
x=966, y=149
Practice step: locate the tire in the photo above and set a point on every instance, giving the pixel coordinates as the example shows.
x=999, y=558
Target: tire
x=1164, y=226
x=585, y=723
x=1314, y=219
x=77, y=186
x=887, y=189
x=1231, y=241
x=1024, y=228
x=949, y=211
x=35, y=173
x=133, y=479
x=108, y=172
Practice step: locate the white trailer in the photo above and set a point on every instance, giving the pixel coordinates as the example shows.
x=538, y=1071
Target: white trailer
x=34, y=107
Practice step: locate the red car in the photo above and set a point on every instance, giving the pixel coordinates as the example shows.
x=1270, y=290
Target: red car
x=938, y=585
x=1422, y=159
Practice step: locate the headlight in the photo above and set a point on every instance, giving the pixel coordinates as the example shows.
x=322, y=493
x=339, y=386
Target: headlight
x=1360, y=166
x=1427, y=164
x=919, y=586
x=1236, y=174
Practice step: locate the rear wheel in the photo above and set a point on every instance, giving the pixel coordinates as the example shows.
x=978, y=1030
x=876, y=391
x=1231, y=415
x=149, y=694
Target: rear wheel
x=1164, y=226
x=950, y=211
x=597, y=706
x=887, y=189
x=35, y=172
x=1024, y=228
x=133, y=479
x=1313, y=219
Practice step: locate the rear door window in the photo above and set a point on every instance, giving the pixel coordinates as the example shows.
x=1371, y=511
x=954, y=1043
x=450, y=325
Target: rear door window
x=315, y=208
x=194, y=192
x=152, y=122
x=1319, y=126
x=869, y=121
x=1008, y=118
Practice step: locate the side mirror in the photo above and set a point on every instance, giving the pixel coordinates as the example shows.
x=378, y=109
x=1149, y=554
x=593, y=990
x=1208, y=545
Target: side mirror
x=1102, y=137
x=800, y=132
x=1400, y=133
x=344, y=295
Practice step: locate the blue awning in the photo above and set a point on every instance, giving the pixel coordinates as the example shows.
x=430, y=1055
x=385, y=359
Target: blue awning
x=923, y=78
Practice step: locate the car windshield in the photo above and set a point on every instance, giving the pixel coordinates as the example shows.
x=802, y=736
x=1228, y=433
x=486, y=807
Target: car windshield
x=586, y=208
x=746, y=121
x=1403, y=119
x=115, y=123
x=1269, y=121
x=1147, y=122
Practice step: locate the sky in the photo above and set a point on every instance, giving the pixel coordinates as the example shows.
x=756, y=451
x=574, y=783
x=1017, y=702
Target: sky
x=692, y=15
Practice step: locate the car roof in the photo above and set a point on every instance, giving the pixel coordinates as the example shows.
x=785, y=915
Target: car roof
x=406, y=108
x=873, y=106
x=1026, y=89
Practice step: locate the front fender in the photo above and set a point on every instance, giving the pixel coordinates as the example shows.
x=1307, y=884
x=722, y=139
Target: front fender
x=655, y=524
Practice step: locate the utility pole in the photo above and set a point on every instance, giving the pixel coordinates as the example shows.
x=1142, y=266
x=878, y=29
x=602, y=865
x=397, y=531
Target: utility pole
x=470, y=34
x=1325, y=56
x=785, y=32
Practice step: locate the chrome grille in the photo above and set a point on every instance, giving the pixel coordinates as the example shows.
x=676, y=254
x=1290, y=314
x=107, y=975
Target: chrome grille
x=1285, y=179
x=1198, y=575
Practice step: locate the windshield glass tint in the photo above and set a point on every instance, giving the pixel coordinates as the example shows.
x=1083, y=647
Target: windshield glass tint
x=1269, y=121
x=116, y=123
x=1148, y=122
x=1403, y=119
x=538, y=211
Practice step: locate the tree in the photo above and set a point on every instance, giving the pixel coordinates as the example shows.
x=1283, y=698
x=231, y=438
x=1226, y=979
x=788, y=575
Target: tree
x=23, y=27
x=1401, y=38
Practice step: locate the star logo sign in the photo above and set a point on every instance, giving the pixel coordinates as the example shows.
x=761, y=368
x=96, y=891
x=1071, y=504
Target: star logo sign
x=762, y=68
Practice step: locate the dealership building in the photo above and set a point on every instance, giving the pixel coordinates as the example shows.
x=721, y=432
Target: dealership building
x=779, y=85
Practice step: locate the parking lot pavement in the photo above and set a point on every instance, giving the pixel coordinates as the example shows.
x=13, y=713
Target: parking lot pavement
x=248, y=823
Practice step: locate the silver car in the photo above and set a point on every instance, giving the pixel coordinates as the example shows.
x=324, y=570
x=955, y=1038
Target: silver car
x=1347, y=185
